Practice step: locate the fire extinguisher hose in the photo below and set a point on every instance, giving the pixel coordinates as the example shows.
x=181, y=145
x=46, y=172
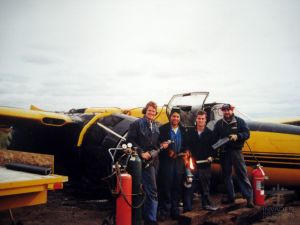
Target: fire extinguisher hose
x=258, y=163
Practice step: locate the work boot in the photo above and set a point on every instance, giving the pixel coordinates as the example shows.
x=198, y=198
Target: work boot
x=250, y=203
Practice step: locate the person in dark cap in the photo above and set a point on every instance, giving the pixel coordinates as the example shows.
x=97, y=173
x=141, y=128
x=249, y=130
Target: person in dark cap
x=171, y=166
x=231, y=153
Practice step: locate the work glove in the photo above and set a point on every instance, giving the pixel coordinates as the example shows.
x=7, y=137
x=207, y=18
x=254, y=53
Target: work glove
x=210, y=159
x=233, y=137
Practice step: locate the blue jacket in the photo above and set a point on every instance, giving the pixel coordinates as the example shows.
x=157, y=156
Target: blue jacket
x=237, y=126
x=167, y=164
x=142, y=137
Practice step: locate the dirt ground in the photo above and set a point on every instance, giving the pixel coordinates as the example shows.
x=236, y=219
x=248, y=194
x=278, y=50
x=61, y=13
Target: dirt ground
x=288, y=215
x=65, y=209
x=61, y=208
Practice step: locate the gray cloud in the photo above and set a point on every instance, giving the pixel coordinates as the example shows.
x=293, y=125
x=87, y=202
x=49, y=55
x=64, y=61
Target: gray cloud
x=61, y=55
x=40, y=59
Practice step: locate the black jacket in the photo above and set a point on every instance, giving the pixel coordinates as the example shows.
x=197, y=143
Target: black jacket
x=142, y=137
x=166, y=163
x=238, y=126
x=200, y=146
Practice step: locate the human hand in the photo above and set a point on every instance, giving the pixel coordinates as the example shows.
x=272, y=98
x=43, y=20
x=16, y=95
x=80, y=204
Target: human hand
x=233, y=137
x=172, y=154
x=164, y=144
x=146, y=155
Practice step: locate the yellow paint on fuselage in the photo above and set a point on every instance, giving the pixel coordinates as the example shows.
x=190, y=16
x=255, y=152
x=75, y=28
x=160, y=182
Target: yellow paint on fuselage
x=274, y=176
x=103, y=110
x=271, y=142
x=9, y=114
x=161, y=116
x=269, y=148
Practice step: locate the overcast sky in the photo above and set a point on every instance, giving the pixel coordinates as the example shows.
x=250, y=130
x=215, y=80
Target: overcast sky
x=60, y=54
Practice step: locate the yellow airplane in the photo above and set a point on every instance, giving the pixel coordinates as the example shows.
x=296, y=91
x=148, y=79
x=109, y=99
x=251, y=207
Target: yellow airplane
x=80, y=138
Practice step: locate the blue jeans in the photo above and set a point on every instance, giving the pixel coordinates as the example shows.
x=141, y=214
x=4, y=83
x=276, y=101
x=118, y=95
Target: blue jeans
x=150, y=188
x=235, y=158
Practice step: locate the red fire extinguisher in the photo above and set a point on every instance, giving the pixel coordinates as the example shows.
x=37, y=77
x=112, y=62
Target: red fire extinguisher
x=124, y=200
x=258, y=177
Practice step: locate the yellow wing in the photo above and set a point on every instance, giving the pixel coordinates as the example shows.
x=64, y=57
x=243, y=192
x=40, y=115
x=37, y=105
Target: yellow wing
x=14, y=116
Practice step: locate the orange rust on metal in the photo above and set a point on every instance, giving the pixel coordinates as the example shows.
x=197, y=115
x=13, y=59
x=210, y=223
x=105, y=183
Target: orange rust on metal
x=35, y=159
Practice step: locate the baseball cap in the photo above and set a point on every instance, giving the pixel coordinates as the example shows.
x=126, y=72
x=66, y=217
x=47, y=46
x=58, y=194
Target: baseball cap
x=227, y=107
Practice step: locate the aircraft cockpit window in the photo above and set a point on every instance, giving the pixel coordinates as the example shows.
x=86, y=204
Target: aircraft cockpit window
x=189, y=104
x=218, y=114
x=110, y=121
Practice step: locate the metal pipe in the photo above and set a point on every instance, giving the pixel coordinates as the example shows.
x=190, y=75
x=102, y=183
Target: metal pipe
x=111, y=131
x=202, y=161
x=28, y=168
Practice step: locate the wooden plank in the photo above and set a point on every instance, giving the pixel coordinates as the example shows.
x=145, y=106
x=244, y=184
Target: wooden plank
x=193, y=217
x=238, y=203
x=243, y=211
x=198, y=216
x=35, y=159
x=218, y=219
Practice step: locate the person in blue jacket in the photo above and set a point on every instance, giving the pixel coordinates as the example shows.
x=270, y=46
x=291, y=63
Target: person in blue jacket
x=171, y=166
x=144, y=134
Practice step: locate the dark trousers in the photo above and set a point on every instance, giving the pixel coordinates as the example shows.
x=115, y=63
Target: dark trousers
x=150, y=188
x=170, y=190
x=201, y=183
x=235, y=158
